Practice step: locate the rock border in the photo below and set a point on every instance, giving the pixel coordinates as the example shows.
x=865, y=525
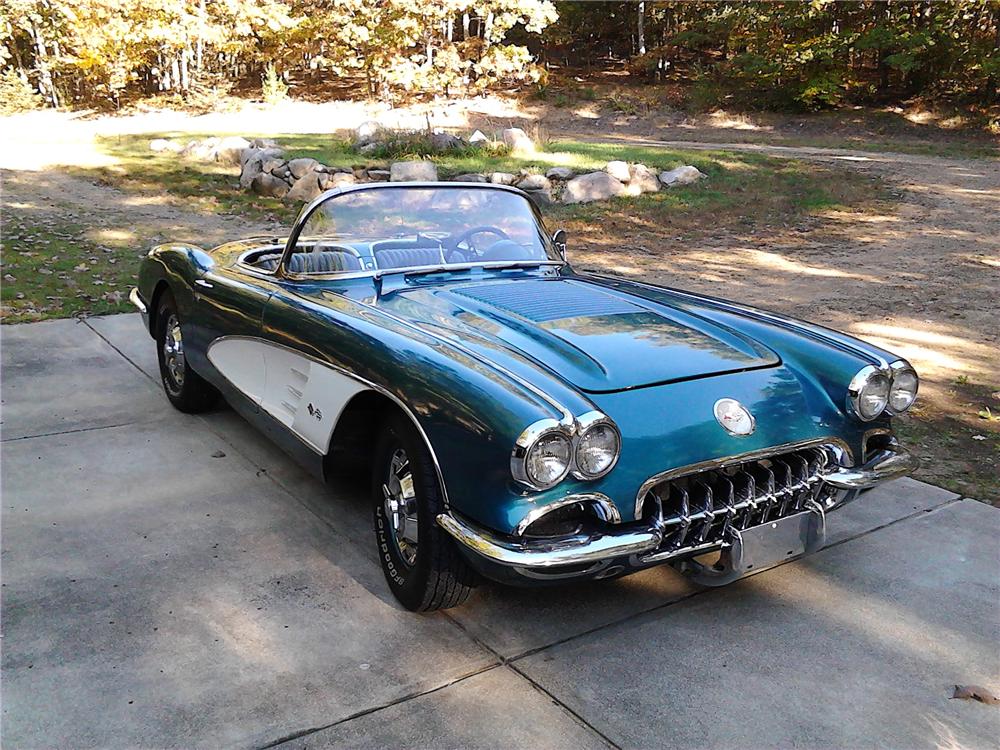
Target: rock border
x=266, y=171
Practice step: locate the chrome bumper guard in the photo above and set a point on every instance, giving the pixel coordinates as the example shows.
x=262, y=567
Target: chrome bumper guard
x=882, y=467
x=136, y=300
x=742, y=549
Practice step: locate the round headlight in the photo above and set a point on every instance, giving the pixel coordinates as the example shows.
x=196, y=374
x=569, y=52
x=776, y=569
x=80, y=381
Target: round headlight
x=597, y=451
x=868, y=393
x=547, y=460
x=903, y=391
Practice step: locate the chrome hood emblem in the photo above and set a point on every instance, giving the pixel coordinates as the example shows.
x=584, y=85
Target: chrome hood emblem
x=735, y=418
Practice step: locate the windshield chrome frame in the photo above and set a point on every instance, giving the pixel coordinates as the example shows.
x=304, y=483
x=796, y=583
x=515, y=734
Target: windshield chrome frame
x=307, y=211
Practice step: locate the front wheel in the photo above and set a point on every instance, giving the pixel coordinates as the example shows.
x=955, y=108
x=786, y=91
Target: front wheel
x=421, y=565
x=185, y=388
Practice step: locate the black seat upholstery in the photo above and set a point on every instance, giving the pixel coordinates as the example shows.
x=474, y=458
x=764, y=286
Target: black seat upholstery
x=407, y=257
x=328, y=261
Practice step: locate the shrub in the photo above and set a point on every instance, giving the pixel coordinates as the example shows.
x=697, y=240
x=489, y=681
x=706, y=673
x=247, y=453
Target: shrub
x=273, y=87
x=16, y=94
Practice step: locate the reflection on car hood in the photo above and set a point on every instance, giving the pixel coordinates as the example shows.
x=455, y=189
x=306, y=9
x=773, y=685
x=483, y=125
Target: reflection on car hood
x=596, y=339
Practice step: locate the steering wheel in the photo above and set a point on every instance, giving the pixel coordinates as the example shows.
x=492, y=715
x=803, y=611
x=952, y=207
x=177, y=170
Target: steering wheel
x=470, y=252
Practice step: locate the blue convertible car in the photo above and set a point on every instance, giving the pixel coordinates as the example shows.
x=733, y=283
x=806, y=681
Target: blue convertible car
x=520, y=420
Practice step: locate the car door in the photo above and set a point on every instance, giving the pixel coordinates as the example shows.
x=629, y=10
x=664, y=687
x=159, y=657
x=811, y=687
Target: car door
x=305, y=390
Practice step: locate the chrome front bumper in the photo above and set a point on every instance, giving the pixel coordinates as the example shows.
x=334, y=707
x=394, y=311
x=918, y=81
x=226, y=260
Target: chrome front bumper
x=638, y=543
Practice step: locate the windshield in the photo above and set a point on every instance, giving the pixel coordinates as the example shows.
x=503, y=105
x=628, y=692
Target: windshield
x=401, y=226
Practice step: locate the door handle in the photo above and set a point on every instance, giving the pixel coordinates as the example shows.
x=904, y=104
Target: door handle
x=202, y=282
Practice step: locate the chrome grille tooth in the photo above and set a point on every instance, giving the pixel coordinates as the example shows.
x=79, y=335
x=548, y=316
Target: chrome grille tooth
x=685, y=516
x=787, y=490
x=730, y=501
x=707, y=509
x=804, y=479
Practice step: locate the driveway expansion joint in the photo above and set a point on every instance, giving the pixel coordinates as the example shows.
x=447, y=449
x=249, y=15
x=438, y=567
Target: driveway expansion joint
x=375, y=709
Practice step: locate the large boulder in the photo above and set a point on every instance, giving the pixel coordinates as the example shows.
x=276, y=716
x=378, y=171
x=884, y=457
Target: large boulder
x=269, y=186
x=681, y=176
x=253, y=163
x=534, y=182
x=328, y=181
x=518, y=141
x=162, y=144
x=503, y=178
x=641, y=180
x=596, y=186
x=229, y=150
x=413, y=171
x=301, y=167
x=305, y=188
x=203, y=150
x=274, y=164
x=560, y=173
x=367, y=132
x=541, y=198
x=619, y=170
x=446, y=142
x=479, y=139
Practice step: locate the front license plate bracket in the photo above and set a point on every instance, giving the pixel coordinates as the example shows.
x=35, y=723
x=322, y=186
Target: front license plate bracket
x=761, y=546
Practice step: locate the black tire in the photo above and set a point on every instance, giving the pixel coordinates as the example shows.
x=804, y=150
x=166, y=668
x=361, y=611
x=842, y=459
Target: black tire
x=435, y=576
x=186, y=389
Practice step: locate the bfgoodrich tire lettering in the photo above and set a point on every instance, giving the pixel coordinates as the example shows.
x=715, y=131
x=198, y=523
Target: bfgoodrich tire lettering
x=423, y=569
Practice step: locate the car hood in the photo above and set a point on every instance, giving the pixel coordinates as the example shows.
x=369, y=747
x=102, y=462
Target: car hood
x=596, y=339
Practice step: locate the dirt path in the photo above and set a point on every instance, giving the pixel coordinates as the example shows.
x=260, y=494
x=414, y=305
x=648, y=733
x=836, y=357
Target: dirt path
x=52, y=196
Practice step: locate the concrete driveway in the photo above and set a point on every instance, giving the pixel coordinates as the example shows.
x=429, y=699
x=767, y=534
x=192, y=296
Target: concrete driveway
x=176, y=581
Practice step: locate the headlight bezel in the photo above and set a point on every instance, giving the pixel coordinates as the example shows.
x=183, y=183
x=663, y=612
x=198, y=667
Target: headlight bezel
x=856, y=389
x=584, y=424
x=570, y=431
x=528, y=440
x=866, y=376
x=897, y=368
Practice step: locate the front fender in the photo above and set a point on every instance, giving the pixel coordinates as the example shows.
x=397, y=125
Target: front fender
x=176, y=264
x=470, y=412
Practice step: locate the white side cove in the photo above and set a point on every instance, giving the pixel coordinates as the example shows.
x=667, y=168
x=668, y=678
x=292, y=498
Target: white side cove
x=303, y=394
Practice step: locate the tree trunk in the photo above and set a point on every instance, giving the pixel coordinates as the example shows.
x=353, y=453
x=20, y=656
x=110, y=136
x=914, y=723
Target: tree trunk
x=175, y=71
x=185, y=78
x=641, y=30
x=200, y=45
x=465, y=26
x=45, y=85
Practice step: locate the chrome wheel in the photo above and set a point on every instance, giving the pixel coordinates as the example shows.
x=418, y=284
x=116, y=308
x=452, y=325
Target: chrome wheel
x=401, y=506
x=173, y=351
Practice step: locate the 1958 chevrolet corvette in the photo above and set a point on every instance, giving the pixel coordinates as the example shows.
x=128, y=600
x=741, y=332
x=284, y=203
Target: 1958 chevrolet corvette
x=519, y=419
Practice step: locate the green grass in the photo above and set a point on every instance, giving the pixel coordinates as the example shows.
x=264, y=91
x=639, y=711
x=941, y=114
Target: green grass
x=50, y=270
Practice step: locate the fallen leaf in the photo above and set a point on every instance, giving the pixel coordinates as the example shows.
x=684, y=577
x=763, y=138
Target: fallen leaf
x=975, y=693
x=978, y=437
x=81, y=268
x=218, y=454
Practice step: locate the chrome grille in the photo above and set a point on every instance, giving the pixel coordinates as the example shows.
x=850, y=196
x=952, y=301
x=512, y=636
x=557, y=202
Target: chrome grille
x=696, y=511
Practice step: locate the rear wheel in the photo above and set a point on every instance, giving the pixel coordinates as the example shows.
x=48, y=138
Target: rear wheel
x=185, y=388
x=423, y=568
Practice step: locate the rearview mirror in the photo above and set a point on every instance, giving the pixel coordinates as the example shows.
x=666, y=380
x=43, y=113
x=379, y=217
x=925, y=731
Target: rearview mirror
x=559, y=240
